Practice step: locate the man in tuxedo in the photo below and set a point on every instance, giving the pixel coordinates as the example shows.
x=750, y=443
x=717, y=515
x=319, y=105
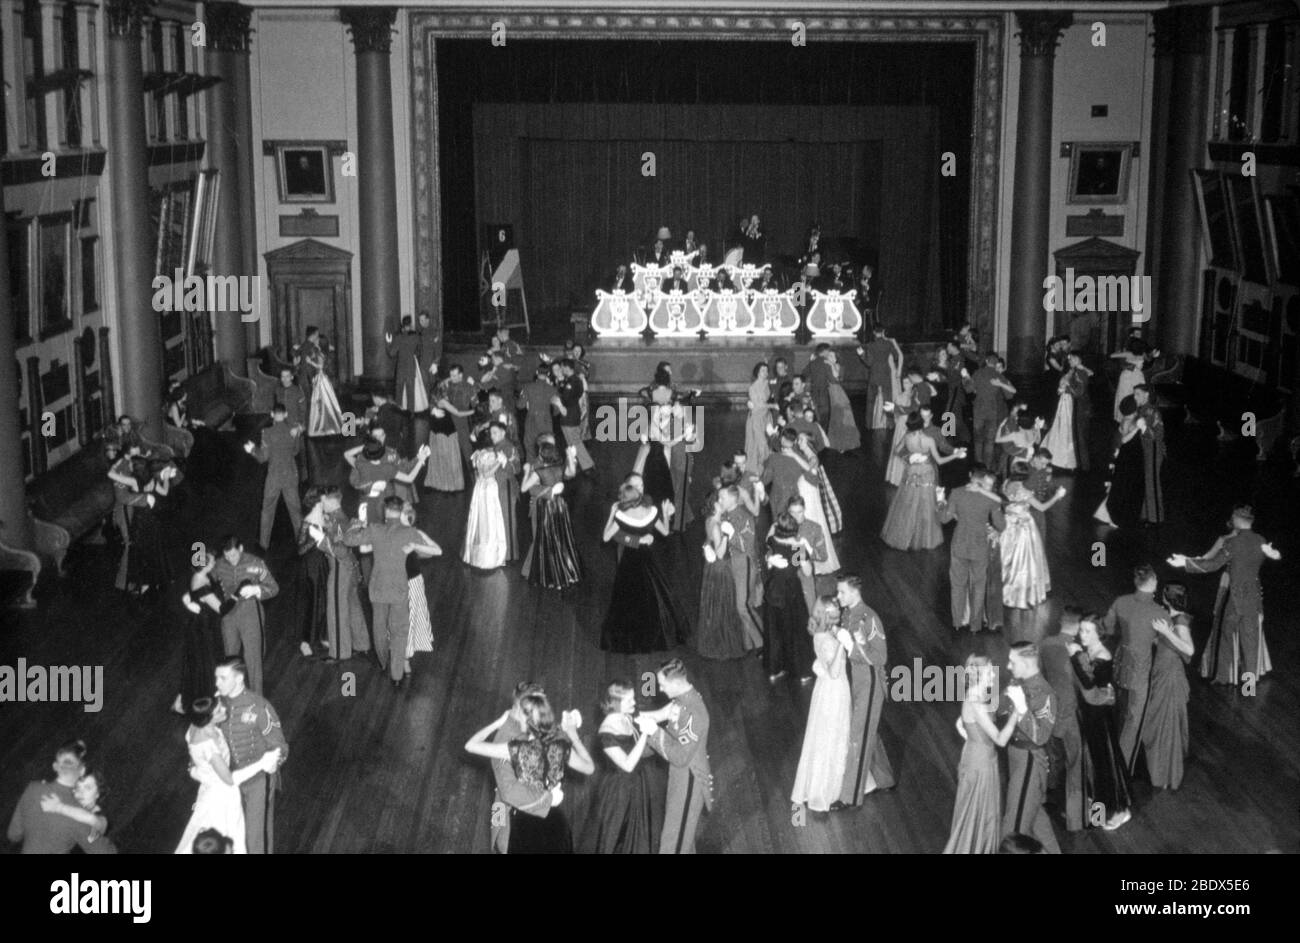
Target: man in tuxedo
x=621, y=280
x=976, y=509
x=754, y=241
x=1131, y=617
x=863, y=636
x=818, y=373
x=677, y=282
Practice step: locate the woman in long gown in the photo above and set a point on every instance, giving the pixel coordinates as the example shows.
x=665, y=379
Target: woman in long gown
x=1105, y=774
x=203, y=648
x=812, y=441
x=719, y=632
x=1236, y=646
x=538, y=759
x=324, y=415
x=446, y=467
x=148, y=562
x=1126, y=488
x=337, y=599
x=912, y=522
x=900, y=407
x=788, y=648
x=760, y=414
x=552, y=561
x=486, y=544
x=843, y=432
x=977, y=812
x=1025, y=577
x=1067, y=440
x=311, y=594
x=1164, y=730
x=507, y=478
x=644, y=615
x=820, y=776
x=821, y=507
x=420, y=638
x=628, y=811
x=219, y=804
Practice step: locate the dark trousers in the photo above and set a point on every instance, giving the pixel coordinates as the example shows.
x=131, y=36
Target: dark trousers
x=986, y=433
x=1072, y=746
x=392, y=631
x=1135, y=711
x=242, y=630
x=1026, y=789
x=682, y=812
x=867, y=762
x=969, y=580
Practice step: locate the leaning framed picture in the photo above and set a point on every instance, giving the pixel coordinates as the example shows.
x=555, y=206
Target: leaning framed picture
x=1099, y=172
x=305, y=172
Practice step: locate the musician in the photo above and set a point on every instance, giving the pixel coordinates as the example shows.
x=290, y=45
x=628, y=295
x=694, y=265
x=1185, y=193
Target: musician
x=690, y=244
x=621, y=280
x=659, y=252
x=767, y=282
x=677, y=282
x=812, y=243
x=754, y=241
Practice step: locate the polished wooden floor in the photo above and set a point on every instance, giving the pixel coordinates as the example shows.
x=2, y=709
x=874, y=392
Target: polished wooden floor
x=383, y=771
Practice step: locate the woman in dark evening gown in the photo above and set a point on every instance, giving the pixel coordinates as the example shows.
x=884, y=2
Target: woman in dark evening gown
x=644, y=615
x=203, y=648
x=1105, y=774
x=1164, y=731
x=539, y=759
x=977, y=812
x=785, y=613
x=627, y=814
x=1127, y=486
x=552, y=559
x=148, y=563
x=311, y=596
x=719, y=632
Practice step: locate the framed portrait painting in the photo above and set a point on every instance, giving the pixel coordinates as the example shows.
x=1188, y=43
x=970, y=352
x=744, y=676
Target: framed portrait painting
x=1099, y=173
x=305, y=172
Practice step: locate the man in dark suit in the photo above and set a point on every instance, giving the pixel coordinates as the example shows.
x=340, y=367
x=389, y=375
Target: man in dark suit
x=1131, y=617
x=1054, y=662
x=976, y=509
x=991, y=392
x=677, y=282
x=818, y=373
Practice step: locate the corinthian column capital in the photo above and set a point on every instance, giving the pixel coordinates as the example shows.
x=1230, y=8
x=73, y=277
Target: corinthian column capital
x=228, y=26
x=1040, y=32
x=372, y=27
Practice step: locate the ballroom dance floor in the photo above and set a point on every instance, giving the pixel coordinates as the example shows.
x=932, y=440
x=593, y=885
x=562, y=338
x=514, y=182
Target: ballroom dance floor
x=384, y=771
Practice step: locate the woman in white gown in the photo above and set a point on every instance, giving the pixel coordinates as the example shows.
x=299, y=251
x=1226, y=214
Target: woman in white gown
x=324, y=415
x=486, y=545
x=820, y=776
x=219, y=804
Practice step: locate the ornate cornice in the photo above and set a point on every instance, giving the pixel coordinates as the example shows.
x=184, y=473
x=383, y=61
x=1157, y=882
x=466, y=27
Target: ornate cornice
x=125, y=16
x=228, y=26
x=1040, y=32
x=1182, y=31
x=372, y=27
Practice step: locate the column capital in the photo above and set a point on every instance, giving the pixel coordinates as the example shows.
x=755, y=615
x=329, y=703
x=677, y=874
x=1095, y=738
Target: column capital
x=1181, y=31
x=125, y=16
x=228, y=26
x=1040, y=32
x=372, y=27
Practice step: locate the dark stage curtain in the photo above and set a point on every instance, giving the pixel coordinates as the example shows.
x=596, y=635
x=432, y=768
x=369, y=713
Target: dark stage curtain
x=922, y=271
x=570, y=178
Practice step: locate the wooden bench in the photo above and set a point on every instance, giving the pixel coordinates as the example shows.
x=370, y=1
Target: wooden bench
x=69, y=501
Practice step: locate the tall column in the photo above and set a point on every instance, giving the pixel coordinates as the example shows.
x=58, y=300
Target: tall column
x=1183, y=34
x=372, y=30
x=225, y=58
x=139, y=338
x=15, y=528
x=1031, y=197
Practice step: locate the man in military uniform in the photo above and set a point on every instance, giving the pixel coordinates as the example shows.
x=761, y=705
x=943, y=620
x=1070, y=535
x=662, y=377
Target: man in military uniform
x=814, y=538
x=279, y=450
x=684, y=743
x=1131, y=616
x=391, y=541
x=863, y=637
x=252, y=729
x=1031, y=700
x=246, y=578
